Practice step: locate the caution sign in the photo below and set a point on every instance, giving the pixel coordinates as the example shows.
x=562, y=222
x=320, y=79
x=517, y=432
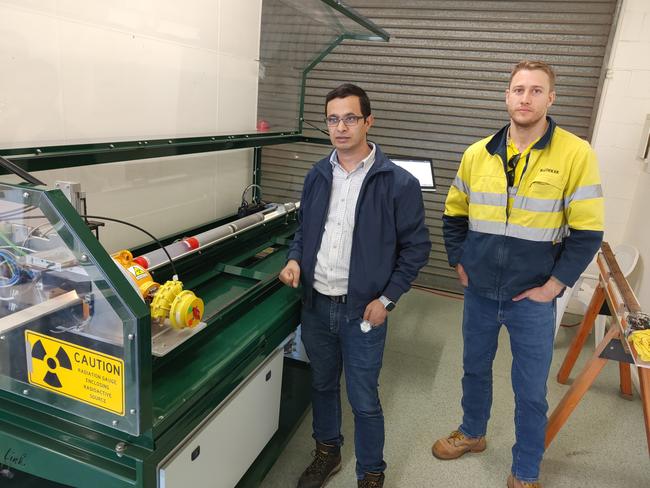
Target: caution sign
x=76, y=372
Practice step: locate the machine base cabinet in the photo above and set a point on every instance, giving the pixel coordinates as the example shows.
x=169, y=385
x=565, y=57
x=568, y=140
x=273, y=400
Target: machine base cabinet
x=222, y=448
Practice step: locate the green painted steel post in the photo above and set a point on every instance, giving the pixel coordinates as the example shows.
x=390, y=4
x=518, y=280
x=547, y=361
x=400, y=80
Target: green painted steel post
x=257, y=172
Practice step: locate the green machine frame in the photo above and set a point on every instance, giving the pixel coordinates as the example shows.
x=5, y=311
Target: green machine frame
x=248, y=313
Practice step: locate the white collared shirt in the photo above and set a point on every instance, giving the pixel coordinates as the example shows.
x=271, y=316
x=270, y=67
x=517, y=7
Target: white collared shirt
x=333, y=258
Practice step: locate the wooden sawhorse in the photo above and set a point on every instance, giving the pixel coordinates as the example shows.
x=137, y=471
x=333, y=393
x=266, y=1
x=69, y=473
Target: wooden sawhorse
x=622, y=303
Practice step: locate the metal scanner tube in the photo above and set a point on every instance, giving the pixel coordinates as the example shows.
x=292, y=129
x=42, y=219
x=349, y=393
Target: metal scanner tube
x=158, y=256
x=213, y=234
x=181, y=248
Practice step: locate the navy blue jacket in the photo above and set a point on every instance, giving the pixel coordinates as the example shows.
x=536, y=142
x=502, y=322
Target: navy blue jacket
x=390, y=242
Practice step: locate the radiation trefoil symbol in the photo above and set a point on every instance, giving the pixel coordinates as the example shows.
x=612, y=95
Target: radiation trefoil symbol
x=60, y=360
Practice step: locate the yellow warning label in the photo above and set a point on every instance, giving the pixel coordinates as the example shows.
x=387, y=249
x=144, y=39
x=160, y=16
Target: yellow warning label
x=76, y=372
x=138, y=272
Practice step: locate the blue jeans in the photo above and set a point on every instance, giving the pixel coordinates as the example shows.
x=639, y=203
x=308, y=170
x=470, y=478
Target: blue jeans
x=334, y=343
x=531, y=328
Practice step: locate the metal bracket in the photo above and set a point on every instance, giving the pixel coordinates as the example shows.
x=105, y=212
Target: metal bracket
x=617, y=352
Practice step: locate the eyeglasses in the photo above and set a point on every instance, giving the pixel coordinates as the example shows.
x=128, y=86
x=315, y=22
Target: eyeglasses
x=511, y=165
x=348, y=120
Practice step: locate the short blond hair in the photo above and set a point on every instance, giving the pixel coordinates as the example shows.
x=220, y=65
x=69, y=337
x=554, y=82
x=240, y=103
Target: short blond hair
x=529, y=65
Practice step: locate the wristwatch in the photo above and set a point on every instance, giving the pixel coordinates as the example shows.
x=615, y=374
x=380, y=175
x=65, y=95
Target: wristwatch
x=387, y=303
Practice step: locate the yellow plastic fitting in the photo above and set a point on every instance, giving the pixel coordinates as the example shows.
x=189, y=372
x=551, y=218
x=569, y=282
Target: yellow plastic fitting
x=162, y=301
x=136, y=273
x=187, y=310
x=183, y=308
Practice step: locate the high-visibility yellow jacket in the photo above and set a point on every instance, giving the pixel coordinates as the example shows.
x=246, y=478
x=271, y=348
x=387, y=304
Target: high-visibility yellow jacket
x=550, y=223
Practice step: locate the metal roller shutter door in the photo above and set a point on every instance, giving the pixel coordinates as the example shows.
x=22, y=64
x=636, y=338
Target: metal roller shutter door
x=438, y=85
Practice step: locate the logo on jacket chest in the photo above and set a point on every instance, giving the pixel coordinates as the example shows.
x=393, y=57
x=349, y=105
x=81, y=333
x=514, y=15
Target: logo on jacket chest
x=550, y=170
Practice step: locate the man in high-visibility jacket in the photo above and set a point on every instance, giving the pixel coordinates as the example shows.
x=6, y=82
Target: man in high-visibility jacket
x=523, y=219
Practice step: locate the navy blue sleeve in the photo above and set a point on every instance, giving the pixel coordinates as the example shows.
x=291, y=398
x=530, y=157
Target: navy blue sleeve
x=412, y=240
x=454, y=230
x=295, y=249
x=578, y=251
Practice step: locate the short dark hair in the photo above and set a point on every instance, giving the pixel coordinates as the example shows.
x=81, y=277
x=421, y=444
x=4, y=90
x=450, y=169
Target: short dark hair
x=529, y=65
x=347, y=90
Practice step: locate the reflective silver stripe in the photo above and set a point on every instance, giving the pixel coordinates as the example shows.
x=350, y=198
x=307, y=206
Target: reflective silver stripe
x=484, y=198
x=487, y=227
x=513, y=230
x=461, y=185
x=538, y=204
x=585, y=193
x=537, y=235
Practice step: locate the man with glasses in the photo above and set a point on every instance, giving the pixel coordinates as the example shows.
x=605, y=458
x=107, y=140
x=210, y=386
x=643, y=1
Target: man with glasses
x=360, y=243
x=522, y=220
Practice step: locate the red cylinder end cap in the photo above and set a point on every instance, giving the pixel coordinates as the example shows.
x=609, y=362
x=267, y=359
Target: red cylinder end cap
x=142, y=261
x=192, y=242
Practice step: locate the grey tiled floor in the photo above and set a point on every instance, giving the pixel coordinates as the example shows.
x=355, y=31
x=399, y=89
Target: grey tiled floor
x=602, y=444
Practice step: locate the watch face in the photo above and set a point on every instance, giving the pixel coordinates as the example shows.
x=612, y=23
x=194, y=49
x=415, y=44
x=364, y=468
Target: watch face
x=390, y=306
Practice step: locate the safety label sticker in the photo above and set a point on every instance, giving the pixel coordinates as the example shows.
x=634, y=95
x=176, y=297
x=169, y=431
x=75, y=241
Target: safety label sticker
x=138, y=272
x=77, y=372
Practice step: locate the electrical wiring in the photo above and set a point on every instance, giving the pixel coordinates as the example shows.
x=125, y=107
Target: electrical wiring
x=8, y=261
x=11, y=245
x=110, y=219
x=22, y=248
x=247, y=208
x=77, y=327
x=28, y=273
x=33, y=231
x=19, y=218
x=249, y=187
x=16, y=213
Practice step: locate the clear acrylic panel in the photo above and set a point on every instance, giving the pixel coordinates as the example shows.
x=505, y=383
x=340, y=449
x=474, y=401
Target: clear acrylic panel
x=62, y=326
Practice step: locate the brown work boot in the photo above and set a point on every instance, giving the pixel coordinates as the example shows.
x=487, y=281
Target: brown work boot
x=371, y=480
x=515, y=483
x=326, y=463
x=456, y=445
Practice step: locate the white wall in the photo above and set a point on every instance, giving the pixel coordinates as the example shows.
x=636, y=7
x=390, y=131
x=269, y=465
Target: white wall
x=161, y=195
x=78, y=71
x=638, y=234
x=88, y=70
x=624, y=105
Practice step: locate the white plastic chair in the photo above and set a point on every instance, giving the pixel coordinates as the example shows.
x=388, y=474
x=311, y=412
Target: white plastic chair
x=577, y=299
